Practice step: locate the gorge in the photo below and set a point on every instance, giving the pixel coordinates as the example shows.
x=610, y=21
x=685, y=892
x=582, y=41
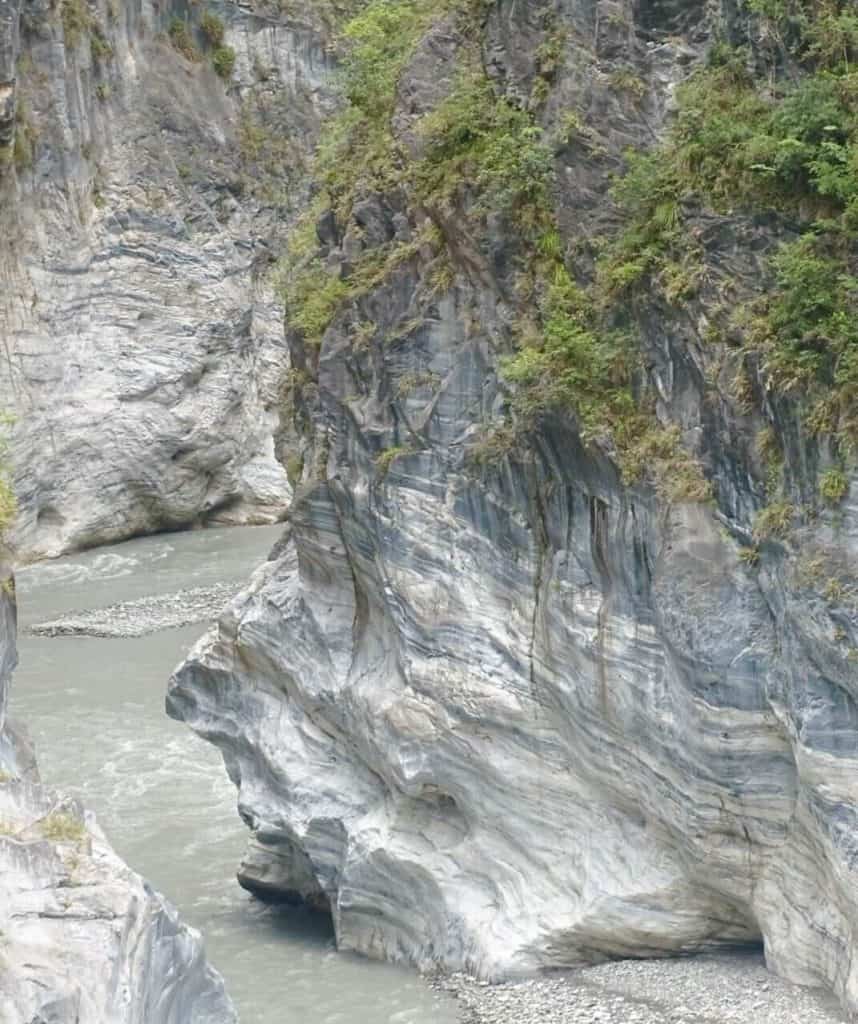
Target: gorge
x=532, y=327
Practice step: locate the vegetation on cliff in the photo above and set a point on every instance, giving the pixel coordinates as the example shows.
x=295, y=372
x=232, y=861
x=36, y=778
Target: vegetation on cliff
x=772, y=131
x=749, y=142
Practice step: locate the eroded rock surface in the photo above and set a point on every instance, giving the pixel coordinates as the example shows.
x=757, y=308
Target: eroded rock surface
x=515, y=713
x=85, y=940
x=142, y=202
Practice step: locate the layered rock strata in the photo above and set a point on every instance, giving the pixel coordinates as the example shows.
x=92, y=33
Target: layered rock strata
x=516, y=713
x=141, y=202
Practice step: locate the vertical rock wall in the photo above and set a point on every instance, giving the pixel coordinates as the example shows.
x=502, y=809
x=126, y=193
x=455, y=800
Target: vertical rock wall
x=141, y=206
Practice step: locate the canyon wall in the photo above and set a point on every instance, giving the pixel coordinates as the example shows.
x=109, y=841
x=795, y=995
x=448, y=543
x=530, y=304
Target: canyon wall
x=556, y=660
x=141, y=202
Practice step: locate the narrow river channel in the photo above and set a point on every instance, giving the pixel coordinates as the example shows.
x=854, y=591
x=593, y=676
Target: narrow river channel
x=95, y=708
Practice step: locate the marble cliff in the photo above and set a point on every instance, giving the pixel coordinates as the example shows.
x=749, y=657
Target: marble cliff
x=500, y=701
x=142, y=196
x=557, y=659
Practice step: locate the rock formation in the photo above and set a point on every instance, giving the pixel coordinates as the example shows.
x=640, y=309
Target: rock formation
x=496, y=703
x=82, y=937
x=141, y=200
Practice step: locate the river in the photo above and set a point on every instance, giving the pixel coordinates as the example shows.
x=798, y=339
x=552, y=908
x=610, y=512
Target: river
x=95, y=708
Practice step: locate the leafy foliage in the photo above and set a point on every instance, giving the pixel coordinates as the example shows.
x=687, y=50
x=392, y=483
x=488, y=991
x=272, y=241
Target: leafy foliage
x=481, y=154
x=60, y=827
x=223, y=61
x=312, y=299
x=774, y=521
x=213, y=29
x=76, y=19
x=786, y=145
x=385, y=459
x=8, y=503
x=833, y=486
x=479, y=138
x=182, y=39
x=99, y=48
x=359, y=144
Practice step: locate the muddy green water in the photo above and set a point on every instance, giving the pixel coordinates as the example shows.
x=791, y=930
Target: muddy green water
x=95, y=708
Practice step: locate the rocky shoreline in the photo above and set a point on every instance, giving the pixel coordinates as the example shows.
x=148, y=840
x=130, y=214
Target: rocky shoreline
x=725, y=988
x=83, y=937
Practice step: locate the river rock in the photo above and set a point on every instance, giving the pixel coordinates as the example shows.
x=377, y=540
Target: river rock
x=83, y=938
x=517, y=713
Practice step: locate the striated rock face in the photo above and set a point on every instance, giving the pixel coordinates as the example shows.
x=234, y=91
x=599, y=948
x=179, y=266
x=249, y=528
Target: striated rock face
x=520, y=714
x=85, y=939
x=138, y=216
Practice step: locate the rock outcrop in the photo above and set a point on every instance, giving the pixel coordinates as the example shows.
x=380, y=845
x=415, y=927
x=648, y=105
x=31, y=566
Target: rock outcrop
x=494, y=704
x=141, y=199
x=83, y=939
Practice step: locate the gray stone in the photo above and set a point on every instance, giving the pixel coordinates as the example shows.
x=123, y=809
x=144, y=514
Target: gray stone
x=143, y=335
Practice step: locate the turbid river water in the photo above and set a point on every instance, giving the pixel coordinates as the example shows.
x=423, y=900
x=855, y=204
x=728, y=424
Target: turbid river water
x=95, y=708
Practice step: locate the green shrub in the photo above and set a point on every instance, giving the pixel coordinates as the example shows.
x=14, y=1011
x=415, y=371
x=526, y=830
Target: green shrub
x=99, y=48
x=294, y=468
x=223, y=61
x=479, y=139
x=833, y=486
x=23, y=151
x=493, y=445
x=358, y=144
x=774, y=520
x=62, y=828
x=8, y=502
x=312, y=299
x=625, y=80
x=750, y=556
x=384, y=460
x=380, y=39
x=76, y=20
x=761, y=144
x=484, y=154
x=182, y=40
x=212, y=29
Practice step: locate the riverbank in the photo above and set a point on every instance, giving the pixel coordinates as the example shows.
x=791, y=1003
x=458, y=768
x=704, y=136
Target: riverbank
x=730, y=988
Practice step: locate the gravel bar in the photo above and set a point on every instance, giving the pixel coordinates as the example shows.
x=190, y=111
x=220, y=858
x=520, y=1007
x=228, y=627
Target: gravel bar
x=710, y=989
x=142, y=615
